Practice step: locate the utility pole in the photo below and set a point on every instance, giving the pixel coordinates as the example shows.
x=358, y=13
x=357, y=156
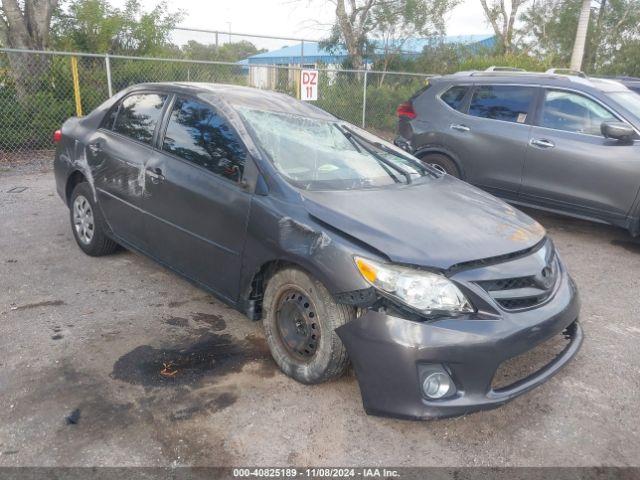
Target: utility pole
x=581, y=36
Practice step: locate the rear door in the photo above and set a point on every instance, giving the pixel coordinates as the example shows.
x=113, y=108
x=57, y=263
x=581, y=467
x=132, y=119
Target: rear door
x=492, y=136
x=571, y=165
x=116, y=154
x=196, y=201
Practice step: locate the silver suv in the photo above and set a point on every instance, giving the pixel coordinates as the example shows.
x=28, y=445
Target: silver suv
x=563, y=143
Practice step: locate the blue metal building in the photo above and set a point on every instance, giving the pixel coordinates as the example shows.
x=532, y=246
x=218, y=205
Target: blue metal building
x=310, y=53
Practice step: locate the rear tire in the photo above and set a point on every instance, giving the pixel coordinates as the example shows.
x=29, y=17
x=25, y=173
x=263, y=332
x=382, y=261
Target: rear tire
x=87, y=223
x=442, y=163
x=300, y=318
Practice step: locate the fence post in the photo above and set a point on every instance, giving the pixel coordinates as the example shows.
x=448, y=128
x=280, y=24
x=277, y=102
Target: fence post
x=107, y=65
x=76, y=85
x=364, y=97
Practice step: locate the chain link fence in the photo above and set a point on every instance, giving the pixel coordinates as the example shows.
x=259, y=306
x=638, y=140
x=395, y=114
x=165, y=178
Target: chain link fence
x=40, y=90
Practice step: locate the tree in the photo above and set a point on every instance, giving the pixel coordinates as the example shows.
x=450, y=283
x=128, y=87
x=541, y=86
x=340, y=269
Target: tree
x=97, y=27
x=397, y=23
x=87, y=26
x=26, y=25
x=613, y=37
x=383, y=27
x=351, y=27
x=548, y=29
x=227, y=52
x=503, y=21
x=581, y=35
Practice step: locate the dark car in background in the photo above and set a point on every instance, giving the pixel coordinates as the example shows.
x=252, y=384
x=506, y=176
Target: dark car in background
x=632, y=83
x=346, y=247
x=564, y=143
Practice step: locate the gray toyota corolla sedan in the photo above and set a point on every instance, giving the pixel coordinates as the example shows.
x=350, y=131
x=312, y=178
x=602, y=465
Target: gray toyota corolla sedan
x=445, y=299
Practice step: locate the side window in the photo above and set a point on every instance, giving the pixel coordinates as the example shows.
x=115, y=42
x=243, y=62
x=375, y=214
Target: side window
x=138, y=115
x=196, y=133
x=502, y=102
x=455, y=96
x=573, y=112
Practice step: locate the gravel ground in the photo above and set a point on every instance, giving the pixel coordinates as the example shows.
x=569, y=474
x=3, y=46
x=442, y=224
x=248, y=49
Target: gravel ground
x=83, y=341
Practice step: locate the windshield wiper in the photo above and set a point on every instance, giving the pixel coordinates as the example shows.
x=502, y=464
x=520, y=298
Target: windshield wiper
x=354, y=137
x=352, y=140
x=418, y=166
x=359, y=147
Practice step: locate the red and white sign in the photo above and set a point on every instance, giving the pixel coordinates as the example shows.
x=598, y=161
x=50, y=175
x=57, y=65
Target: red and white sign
x=309, y=85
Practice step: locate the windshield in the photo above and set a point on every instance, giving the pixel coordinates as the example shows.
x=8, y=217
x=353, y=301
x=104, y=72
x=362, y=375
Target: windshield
x=329, y=155
x=629, y=100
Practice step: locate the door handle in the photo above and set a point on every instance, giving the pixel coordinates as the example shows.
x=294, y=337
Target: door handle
x=542, y=143
x=459, y=127
x=155, y=174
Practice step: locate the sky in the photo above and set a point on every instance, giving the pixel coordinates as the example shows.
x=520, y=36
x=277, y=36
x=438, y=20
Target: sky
x=309, y=19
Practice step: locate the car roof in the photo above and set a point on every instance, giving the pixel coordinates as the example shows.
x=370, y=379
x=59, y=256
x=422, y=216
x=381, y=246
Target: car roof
x=239, y=96
x=535, y=78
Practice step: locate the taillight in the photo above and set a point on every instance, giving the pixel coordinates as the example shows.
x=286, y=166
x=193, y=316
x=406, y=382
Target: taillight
x=57, y=136
x=405, y=109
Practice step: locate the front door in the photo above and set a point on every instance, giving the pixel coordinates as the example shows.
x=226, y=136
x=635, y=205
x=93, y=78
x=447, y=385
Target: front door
x=571, y=165
x=116, y=154
x=493, y=136
x=196, y=204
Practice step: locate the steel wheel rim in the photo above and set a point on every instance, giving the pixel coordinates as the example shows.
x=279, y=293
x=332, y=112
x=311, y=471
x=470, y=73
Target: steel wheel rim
x=297, y=324
x=83, y=222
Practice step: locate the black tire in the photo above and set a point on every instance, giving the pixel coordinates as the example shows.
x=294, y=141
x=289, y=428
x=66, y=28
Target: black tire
x=292, y=288
x=98, y=244
x=441, y=162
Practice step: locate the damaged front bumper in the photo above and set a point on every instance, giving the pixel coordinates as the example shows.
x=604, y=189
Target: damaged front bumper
x=392, y=356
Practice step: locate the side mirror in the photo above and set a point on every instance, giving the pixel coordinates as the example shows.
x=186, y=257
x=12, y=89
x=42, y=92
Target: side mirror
x=618, y=131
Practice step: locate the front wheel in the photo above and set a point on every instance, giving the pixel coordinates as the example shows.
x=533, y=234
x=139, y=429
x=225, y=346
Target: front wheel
x=300, y=318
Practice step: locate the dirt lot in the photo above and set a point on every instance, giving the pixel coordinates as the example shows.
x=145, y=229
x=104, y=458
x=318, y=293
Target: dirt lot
x=83, y=341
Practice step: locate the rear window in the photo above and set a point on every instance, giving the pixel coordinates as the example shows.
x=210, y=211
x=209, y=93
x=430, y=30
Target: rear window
x=502, y=102
x=138, y=115
x=454, y=97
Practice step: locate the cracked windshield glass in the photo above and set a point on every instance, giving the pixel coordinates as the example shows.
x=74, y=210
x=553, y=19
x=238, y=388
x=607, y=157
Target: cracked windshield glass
x=316, y=154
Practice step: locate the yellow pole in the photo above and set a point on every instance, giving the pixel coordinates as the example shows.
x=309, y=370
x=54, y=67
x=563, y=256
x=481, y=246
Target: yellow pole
x=76, y=85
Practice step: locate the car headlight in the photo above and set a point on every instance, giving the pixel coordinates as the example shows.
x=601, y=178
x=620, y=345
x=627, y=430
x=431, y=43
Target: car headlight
x=424, y=291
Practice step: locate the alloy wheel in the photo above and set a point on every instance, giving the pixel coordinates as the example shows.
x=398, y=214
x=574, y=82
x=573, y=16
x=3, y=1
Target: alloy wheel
x=83, y=219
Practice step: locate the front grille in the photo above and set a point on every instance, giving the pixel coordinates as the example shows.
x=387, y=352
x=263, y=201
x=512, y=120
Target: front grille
x=508, y=283
x=529, y=363
x=521, y=303
x=519, y=293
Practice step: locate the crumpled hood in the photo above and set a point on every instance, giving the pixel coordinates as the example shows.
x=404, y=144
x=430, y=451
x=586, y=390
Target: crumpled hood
x=437, y=223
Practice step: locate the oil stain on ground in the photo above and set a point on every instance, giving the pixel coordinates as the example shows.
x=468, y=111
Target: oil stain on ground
x=177, y=321
x=217, y=404
x=216, y=322
x=211, y=356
